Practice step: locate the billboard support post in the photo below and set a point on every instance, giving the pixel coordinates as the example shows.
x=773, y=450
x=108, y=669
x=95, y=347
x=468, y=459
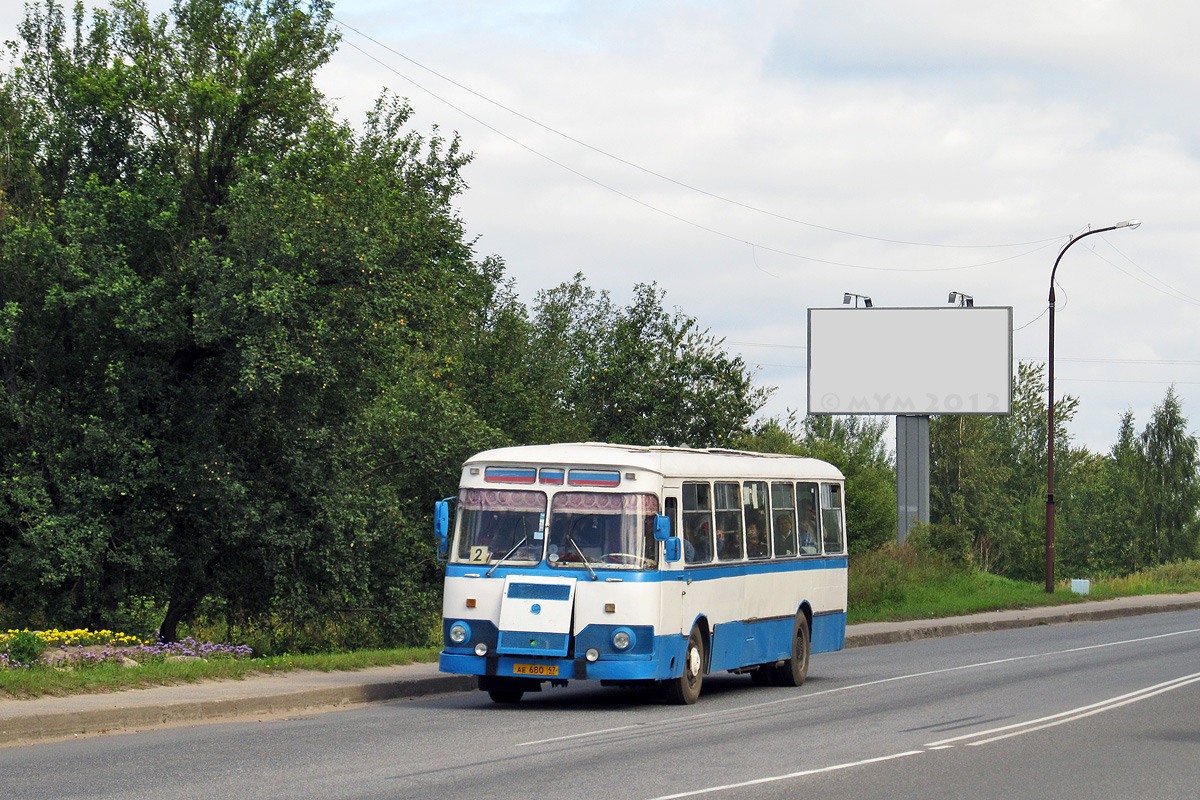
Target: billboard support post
x=912, y=473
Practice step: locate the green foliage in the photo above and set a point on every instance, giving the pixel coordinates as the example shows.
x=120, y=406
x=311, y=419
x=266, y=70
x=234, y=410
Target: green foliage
x=244, y=347
x=211, y=291
x=592, y=371
x=1176, y=576
x=988, y=477
x=24, y=647
x=953, y=543
x=1171, y=483
x=898, y=582
x=1116, y=513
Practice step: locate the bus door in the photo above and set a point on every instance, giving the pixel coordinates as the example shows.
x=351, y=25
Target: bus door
x=535, y=615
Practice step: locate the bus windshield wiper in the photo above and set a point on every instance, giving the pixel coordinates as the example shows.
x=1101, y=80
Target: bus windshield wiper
x=586, y=563
x=504, y=557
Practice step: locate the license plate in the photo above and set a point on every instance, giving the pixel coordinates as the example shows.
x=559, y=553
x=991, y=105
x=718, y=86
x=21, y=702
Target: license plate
x=544, y=670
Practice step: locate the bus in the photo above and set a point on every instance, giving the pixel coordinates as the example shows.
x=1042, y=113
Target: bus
x=640, y=565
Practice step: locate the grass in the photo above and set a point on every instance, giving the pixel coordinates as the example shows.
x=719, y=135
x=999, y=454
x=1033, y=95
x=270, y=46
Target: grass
x=109, y=677
x=902, y=583
x=894, y=583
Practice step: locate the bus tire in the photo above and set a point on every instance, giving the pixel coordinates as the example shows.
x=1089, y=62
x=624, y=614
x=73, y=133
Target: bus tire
x=505, y=691
x=685, y=690
x=794, y=671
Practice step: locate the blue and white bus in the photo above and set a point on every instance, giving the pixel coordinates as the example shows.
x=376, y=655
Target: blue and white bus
x=637, y=565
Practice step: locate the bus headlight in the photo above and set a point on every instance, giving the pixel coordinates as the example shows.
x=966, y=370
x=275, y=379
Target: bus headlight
x=481, y=649
x=460, y=632
x=622, y=638
x=592, y=654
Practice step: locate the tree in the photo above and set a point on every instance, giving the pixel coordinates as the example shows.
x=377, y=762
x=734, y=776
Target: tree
x=1126, y=477
x=211, y=291
x=967, y=479
x=244, y=347
x=586, y=369
x=989, y=475
x=1172, y=485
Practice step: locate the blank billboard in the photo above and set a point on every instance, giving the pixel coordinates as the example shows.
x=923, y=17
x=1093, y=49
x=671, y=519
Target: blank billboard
x=903, y=361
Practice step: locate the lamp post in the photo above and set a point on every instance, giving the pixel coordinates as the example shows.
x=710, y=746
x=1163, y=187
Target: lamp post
x=1132, y=223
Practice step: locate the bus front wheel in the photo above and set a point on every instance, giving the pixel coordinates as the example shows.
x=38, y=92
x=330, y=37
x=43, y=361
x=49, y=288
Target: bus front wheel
x=504, y=690
x=794, y=671
x=685, y=689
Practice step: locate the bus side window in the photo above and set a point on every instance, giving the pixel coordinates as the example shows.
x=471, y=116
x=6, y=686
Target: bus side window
x=729, y=521
x=697, y=523
x=758, y=519
x=831, y=517
x=783, y=507
x=809, y=524
x=671, y=512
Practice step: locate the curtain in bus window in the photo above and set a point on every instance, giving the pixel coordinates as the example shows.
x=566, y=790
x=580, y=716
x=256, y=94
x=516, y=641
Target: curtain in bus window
x=758, y=519
x=727, y=505
x=831, y=517
x=697, y=523
x=495, y=522
x=783, y=513
x=601, y=529
x=809, y=527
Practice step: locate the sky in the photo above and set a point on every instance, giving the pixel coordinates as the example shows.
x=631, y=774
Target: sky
x=757, y=159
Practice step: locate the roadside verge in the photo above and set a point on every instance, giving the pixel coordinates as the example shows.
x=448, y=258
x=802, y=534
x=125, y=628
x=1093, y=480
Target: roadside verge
x=292, y=693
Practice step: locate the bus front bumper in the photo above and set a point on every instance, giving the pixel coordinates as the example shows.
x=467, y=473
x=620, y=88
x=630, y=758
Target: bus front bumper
x=549, y=669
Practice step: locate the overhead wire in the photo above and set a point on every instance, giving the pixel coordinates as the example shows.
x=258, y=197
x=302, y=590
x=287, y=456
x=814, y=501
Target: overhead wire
x=661, y=176
x=1034, y=245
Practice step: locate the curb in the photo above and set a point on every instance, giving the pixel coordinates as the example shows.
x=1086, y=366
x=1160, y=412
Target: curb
x=892, y=633
x=37, y=727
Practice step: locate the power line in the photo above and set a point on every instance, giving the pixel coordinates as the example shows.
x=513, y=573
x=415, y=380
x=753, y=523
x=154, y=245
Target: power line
x=684, y=220
x=648, y=171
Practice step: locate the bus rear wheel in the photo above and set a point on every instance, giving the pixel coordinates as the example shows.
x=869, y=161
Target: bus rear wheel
x=685, y=689
x=794, y=670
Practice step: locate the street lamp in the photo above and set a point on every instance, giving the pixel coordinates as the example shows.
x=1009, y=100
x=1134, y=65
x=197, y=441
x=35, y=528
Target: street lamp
x=1131, y=224
x=964, y=300
x=846, y=299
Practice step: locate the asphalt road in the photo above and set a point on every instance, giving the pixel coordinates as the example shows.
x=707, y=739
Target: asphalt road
x=1106, y=709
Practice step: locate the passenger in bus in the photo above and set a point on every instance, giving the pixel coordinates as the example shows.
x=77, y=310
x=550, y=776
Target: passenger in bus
x=697, y=535
x=808, y=531
x=729, y=545
x=785, y=540
x=756, y=540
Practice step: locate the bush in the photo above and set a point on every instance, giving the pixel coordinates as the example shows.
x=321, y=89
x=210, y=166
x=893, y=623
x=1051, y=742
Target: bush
x=952, y=543
x=24, y=647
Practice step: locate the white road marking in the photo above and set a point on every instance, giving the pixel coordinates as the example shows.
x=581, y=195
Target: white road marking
x=690, y=718
x=1063, y=717
x=948, y=744
x=790, y=775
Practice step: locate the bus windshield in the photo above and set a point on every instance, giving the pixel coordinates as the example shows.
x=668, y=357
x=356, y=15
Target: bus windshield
x=611, y=530
x=499, y=524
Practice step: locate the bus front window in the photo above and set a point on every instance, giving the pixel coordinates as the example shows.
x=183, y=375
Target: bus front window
x=498, y=524
x=590, y=529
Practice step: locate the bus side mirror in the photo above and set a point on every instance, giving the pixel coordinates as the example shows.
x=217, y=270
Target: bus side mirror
x=441, y=528
x=662, y=528
x=671, y=551
x=662, y=533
